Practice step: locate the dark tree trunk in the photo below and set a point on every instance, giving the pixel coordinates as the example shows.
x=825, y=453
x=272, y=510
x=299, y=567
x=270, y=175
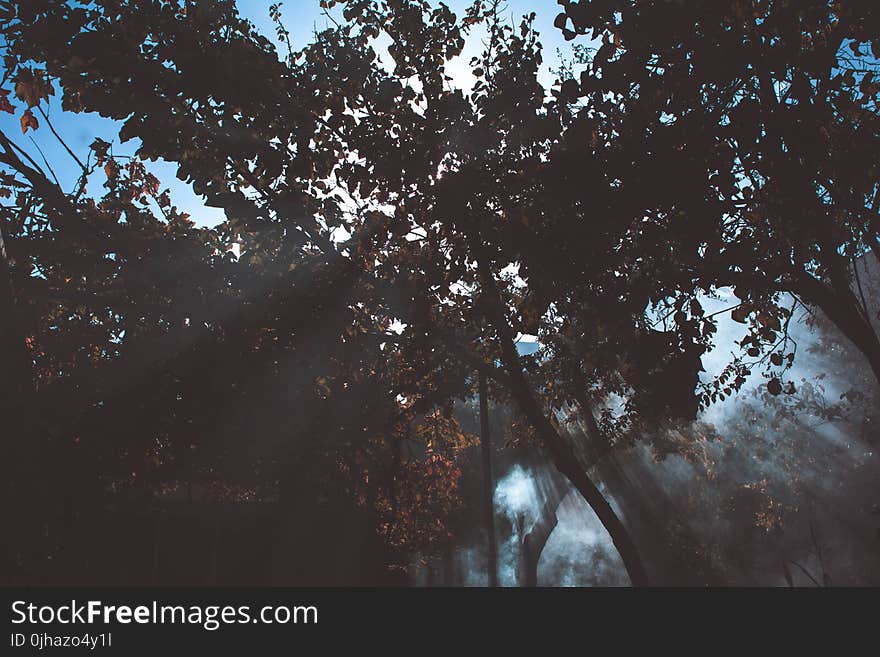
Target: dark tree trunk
x=677, y=557
x=15, y=365
x=564, y=456
x=19, y=475
x=842, y=308
x=533, y=543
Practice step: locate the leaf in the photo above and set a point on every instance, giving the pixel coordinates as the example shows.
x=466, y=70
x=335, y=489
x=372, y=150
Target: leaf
x=740, y=313
x=28, y=120
x=570, y=89
x=5, y=105
x=32, y=87
x=769, y=321
x=111, y=169
x=100, y=148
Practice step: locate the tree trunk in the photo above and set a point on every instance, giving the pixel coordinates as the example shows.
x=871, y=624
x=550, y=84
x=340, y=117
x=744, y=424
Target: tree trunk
x=532, y=544
x=842, y=308
x=564, y=456
x=20, y=488
x=15, y=365
x=488, y=487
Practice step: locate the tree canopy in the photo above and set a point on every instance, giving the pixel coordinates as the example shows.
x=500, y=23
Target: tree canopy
x=388, y=234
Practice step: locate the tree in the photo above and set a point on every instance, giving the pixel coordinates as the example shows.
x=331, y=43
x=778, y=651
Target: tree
x=118, y=312
x=268, y=156
x=398, y=233
x=750, y=132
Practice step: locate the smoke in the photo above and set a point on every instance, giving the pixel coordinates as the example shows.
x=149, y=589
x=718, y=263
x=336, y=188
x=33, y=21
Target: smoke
x=760, y=490
x=765, y=490
x=517, y=494
x=578, y=553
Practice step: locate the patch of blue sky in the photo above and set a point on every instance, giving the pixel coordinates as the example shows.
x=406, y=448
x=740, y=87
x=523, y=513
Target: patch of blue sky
x=302, y=18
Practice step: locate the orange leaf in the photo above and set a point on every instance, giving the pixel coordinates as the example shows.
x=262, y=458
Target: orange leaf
x=111, y=169
x=32, y=87
x=5, y=105
x=28, y=120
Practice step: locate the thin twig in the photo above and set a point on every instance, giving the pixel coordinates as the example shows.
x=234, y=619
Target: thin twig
x=43, y=155
x=63, y=143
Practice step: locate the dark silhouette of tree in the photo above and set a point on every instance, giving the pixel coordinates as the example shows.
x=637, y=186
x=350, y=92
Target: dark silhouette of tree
x=750, y=131
x=397, y=234
x=328, y=140
x=532, y=542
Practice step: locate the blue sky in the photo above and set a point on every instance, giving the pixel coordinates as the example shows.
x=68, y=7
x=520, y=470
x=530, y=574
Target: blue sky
x=301, y=17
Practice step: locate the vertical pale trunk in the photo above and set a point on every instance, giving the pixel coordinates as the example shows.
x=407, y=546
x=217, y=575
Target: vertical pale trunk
x=488, y=487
